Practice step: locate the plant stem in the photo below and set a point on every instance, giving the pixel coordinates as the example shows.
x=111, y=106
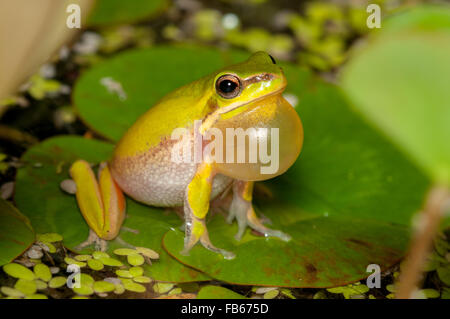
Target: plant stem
x=426, y=228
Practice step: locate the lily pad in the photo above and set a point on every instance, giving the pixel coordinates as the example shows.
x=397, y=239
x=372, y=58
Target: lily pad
x=59, y=212
x=399, y=81
x=16, y=234
x=324, y=252
x=107, y=12
x=347, y=202
x=216, y=292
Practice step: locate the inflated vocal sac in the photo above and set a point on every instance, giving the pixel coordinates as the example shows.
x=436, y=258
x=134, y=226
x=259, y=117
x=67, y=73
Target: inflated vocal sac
x=260, y=141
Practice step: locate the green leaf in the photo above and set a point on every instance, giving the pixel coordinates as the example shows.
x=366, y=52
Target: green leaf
x=399, y=81
x=50, y=209
x=16, y=234
x=107, y=12
x=216, y=292
x=418, y=18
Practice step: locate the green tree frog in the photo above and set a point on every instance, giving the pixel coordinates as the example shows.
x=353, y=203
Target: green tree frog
x=242, y=96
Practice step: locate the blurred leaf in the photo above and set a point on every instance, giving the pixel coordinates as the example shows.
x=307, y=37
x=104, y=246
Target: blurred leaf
x=107, y=12
x=16, y=234
x=59, y=211
x=399, y=81
x=216, y=292
x=419, y=18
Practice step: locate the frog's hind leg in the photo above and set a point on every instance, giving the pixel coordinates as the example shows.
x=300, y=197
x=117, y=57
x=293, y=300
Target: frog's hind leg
x=242, y=209
x=101, y=203
x=196, y=206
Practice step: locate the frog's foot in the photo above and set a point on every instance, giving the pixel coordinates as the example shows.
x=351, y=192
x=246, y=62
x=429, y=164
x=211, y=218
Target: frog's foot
x=101, y=202
x=123, y=243
x=195, y=230
x=130, y=230
x=242, y=209
x=196, y=206
x=99, y=244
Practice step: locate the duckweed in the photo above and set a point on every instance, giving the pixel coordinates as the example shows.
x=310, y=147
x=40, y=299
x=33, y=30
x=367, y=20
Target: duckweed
x=430, y=293
x=263, y=290
x=119, y=289
x=108, y=261
x=124, y=273
x=136, y=271
x=147, y=252
x=57, y=282
x=128, y=284
x=70, y=261
x=95, y=264
x=162, y=287
x=48, y=247
x=42, y=272
x=49, y=237
x=36, y=296
x=86, y=279
x=83, y=257
x=175, y=291
x=84, y=290
x=124, y=251
x=135, y=259
x=99, y=254
x=27, y=287
x=103, y=286
x=40, y=285
x=142, y=279
x=18, y=271
x=271, y=294
x=11, y=292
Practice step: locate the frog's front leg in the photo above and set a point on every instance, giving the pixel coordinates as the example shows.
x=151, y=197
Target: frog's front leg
x=196, y=206
x=101, y=203
x=242, y=209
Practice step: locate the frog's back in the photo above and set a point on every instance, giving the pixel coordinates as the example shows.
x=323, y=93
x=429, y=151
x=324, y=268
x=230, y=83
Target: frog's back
x=179, y=108
x=142, y=164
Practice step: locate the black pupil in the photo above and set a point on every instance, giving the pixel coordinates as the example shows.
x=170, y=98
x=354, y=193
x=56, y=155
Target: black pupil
x=227, y=86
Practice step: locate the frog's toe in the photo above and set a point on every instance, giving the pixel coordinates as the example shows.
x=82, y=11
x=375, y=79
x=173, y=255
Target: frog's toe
x=231, y=216
x=225, y=253
x=278, y=234
x=130, y=230
x=242, y=209
x=123, y=243
x=101, y=245
x=93, y=239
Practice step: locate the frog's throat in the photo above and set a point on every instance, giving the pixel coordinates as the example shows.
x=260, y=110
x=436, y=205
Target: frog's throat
x=212, y=118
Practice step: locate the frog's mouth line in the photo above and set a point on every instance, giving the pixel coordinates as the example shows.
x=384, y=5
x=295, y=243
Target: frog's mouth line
x=234, y=107
x=213, y=117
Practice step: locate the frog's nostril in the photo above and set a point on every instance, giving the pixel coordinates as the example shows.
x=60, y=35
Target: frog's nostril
x=273, y=60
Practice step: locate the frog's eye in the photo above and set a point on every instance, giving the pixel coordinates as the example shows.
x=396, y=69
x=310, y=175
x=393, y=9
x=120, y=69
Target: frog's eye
x=228, y=86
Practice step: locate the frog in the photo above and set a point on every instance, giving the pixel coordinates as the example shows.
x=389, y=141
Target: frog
x=246, y=96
